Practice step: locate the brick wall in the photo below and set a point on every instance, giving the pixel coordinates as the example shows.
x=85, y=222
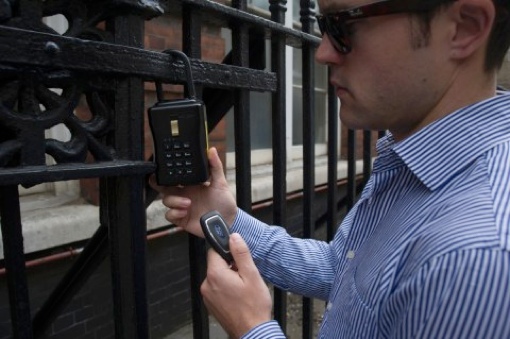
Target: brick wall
x=165, y=33
x=90, y=312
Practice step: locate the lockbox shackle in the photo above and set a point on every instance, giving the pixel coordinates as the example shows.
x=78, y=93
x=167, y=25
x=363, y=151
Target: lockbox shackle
x=189, y=76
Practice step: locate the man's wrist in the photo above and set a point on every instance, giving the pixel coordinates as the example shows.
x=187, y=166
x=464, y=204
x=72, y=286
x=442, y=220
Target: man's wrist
x=267, y=330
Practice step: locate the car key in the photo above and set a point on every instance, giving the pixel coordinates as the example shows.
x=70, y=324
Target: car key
x=217, y=234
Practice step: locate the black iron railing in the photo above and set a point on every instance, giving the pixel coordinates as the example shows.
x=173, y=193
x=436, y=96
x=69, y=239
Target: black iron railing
x=101, y=58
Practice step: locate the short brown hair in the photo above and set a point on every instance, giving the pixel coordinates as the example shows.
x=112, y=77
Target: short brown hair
x=499, y=39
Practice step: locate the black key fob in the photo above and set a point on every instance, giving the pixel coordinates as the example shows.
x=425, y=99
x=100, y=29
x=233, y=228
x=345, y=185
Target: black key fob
x=217, y=234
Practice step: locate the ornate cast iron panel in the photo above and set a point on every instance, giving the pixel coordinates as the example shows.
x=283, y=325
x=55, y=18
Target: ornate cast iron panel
x=72, y=79
x=43, y=81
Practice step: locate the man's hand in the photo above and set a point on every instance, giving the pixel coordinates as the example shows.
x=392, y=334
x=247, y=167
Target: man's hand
x=187, y=204
x=239, y=300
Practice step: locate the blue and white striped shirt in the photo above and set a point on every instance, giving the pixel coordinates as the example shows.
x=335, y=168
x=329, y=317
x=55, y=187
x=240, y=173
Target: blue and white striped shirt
x=425, y=253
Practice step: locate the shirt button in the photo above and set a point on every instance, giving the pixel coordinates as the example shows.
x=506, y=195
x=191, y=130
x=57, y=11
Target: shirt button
x=330, y=306
x=350, y=254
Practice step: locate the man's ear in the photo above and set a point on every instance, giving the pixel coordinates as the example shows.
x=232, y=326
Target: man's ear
x=474, y=20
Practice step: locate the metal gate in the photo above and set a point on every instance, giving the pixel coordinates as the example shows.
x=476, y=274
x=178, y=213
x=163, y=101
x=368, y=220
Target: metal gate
x=101, y=59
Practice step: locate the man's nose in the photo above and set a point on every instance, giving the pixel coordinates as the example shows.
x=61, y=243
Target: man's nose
x=326, y=53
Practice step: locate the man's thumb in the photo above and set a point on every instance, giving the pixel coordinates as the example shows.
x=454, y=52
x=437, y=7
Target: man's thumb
x=241, y=254
x=215, y=163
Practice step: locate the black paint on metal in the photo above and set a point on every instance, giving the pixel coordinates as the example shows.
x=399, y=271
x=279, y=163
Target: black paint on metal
x=14, y=262
x=279, y=123
x=308, y=105
x=331, y=214
x=191, y=34
x=101, y=59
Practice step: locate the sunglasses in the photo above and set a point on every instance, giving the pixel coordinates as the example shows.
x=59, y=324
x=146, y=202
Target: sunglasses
x=336, y=27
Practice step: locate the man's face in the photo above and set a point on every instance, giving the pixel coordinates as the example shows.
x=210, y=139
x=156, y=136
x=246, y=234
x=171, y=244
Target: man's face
x=390, y=79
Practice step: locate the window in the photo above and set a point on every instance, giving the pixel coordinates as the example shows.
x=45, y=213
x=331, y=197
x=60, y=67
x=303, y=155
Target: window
x=260, y=117
x=261, y=4
x=261, y=102
x=320, y=101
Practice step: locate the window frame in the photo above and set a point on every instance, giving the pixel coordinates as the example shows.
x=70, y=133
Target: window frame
x=261, y=159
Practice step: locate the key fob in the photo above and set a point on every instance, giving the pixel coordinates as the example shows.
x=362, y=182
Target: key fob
x=217, y=234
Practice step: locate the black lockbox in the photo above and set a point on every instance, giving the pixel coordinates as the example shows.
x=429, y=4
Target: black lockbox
x=179, y=131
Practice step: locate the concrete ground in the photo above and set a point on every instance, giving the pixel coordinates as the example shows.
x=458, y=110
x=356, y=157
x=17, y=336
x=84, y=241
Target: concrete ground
x=294, y=321
x=186, y=332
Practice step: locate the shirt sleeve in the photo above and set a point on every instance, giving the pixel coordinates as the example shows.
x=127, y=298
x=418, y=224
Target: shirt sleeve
x=303, y=266
x=463, y=294
x=267, y=330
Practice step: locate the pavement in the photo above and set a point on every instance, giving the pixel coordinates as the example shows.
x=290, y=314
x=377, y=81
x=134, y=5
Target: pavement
x=294, y=321
x=186, y=332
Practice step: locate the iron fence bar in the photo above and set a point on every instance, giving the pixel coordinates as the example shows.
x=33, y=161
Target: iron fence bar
x=125, y=205
x=22, y=47
x=191, y=45
x=351, y=168
x=308, y=107
x=19, y=300
x=332, y=162
x=279, y=122
x=367, y=155
x=197, y=269
x=127, y=255
x=291, y=36
x=29, y=175
x=242, y=125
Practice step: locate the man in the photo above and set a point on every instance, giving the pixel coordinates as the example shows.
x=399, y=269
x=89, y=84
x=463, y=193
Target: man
x=425, y=253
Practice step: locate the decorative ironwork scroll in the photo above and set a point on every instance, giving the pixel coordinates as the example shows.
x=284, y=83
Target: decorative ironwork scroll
x=36, y=97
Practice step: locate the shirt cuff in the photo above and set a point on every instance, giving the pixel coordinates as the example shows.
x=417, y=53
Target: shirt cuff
x=250, y=228
x=267, y=330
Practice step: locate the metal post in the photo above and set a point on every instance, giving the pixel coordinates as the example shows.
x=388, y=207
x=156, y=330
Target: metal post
x=278, y=9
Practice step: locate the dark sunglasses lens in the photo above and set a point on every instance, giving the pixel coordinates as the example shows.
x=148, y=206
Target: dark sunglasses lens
x=336, y=31
x=321, y=21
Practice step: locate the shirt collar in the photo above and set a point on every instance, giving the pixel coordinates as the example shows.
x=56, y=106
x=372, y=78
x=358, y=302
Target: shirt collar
x=440, y=150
